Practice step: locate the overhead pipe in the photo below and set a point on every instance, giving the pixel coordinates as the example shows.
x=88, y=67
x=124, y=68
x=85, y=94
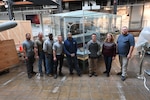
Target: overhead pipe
x=7, y=25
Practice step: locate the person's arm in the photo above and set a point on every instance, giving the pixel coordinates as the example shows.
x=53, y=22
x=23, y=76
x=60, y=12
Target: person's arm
x=99, y=47
x=54, y=52
x=36, y=49
x=132, y=43
x=87, y=47
x=130, y=52
x=45, y=47
x=65, y=49
x=103, y=48
x=76, y=47
x=24, y=51
x=114, y=52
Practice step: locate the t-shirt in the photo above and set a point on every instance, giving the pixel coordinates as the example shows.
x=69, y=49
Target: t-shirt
x=48, y=46
x=124, y=42
x=58, y=47
x=29, y=47
x=39, y=45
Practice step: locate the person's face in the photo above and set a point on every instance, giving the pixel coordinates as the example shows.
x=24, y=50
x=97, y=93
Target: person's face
x=124, y=30
x=94, y=37
x=51, y=37
x=109, y=37
x=69, y=36
x=40, y=36
x=60, y=38
x=28, y=36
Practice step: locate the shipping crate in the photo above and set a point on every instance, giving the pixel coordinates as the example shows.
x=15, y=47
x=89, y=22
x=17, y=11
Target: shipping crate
x=8, y=54
x=17, y=33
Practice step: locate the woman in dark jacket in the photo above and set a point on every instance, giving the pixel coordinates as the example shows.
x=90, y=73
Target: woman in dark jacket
x=109, y=52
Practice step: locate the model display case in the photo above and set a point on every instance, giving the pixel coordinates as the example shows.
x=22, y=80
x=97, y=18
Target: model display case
x=84, y=23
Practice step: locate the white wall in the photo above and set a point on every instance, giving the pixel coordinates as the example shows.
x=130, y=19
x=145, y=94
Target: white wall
x=146, y=17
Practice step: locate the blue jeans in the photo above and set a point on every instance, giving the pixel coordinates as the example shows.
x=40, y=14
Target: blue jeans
x=108, y=63
x=73, y=63
x=41, y=58
x=49, y=63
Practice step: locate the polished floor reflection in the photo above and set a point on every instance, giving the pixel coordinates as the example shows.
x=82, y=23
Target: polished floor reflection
x=16, y=86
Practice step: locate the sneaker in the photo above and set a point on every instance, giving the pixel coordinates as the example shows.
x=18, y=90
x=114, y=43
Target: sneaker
x=90, y=75
x=123, y=78
x=119, y=73
x=95, y=74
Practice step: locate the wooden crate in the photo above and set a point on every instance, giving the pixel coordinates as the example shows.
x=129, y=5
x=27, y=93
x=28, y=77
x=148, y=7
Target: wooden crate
x=17, y=33
x=8, y=54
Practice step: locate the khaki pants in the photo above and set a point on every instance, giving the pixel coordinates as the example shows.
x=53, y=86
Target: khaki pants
x=92, y=65
x=124, y=63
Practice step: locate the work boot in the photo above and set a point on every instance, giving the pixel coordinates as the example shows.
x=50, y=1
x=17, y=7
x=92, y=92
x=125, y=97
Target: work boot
x=90, y=75
x=123, y=78
x=61, y=74
x=55, y=76
x=105, y=72
x=119, y=73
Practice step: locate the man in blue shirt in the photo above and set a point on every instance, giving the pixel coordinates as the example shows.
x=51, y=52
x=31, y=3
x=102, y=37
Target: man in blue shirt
x=125, y=44
x=70, y=49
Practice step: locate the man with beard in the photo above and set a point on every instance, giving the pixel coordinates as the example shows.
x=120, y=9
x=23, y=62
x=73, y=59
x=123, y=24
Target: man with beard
x=48, y=49
x=125, y=46
x=28, y=48
x=40, y=53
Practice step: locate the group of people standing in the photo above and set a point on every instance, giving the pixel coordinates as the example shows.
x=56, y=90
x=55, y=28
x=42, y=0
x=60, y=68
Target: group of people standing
x=52, y=53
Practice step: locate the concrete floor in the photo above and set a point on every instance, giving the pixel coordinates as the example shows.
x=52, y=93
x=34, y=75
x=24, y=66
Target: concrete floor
x=16, y=86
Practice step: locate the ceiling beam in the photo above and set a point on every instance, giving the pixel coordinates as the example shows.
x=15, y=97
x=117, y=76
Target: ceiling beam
x=18, y=3
x=70, y=0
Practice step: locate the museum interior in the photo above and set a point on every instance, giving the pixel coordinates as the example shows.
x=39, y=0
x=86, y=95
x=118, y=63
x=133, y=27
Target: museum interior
x=82, y=18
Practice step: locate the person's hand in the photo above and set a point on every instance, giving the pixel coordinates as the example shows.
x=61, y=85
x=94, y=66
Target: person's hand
x=129, y=56
x=98, y=53
x=26, y=58
x=37, y=57
x=73, y=54
x=113, y=58
x=55, y=58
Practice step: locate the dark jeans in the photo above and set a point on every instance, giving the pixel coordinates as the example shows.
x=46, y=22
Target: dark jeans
x=60, y=61
x=49, y=63
x=73, y=63
x=29, y=64
x=108, y=62
x=41, y=58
